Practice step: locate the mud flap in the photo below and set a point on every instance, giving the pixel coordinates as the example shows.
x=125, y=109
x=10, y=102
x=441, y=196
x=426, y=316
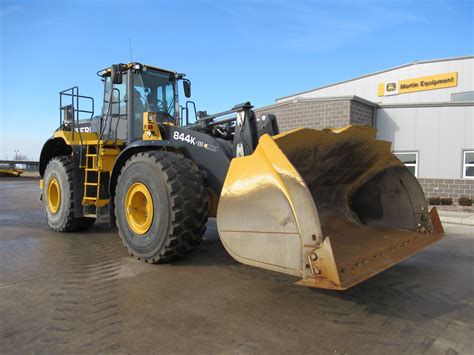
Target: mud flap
x=333, y=207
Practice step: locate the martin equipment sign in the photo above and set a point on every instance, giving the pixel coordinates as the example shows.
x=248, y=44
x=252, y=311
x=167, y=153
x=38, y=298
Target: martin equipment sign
x=433, y=82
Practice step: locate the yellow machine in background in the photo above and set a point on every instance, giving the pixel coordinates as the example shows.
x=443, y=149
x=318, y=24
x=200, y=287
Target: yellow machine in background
x=10, y=171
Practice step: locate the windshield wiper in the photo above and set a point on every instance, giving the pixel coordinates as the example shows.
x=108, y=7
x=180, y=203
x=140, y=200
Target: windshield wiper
x=168, y=111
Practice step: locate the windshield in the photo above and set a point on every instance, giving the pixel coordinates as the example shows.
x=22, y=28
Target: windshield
x=154, y=91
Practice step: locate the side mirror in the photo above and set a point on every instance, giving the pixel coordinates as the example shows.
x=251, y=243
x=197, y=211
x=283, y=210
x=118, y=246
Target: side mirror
x=115, y=74
x=187, y=88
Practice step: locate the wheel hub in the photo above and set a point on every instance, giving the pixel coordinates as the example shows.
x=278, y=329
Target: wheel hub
x=54, y=195
x=139, y=208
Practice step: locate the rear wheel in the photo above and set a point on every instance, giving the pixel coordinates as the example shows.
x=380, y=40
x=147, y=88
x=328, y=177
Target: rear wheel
x=58, y=195
x=160, y=206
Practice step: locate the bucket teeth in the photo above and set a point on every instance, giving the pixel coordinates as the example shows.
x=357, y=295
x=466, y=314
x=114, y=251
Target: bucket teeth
x=357, y=253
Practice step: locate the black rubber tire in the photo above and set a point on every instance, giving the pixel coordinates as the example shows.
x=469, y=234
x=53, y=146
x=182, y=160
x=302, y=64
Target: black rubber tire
x=179, y=202
x=63, y=220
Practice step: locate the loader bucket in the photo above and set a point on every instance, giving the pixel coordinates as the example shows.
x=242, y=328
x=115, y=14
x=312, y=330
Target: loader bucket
x=333, y=207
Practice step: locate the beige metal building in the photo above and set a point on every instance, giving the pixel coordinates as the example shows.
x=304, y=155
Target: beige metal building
x=425, y=108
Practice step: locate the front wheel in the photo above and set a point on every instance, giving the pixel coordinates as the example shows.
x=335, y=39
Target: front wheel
x=160, y=206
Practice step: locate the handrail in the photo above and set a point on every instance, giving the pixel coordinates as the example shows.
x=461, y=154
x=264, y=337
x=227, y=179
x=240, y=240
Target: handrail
x=75, y=96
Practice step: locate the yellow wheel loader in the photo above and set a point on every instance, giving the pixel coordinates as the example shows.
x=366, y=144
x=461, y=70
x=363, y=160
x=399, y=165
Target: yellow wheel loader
x=333, y=207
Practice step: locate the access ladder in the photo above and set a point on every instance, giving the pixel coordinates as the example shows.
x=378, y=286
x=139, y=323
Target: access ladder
x=99, y=160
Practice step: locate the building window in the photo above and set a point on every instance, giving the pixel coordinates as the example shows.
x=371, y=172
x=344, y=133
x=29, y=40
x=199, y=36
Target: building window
x=468, y=168
x=462, y=96
x=410, y=159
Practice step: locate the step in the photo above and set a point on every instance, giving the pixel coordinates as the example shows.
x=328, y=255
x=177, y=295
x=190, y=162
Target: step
x=91, y=184
x=90, y=210
x=102, y=202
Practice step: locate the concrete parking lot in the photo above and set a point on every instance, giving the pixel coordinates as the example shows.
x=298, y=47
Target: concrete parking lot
x=82, y=293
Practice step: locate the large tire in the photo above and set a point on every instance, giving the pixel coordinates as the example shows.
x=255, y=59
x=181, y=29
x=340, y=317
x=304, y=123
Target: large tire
x=179, y=208
x=58, y=196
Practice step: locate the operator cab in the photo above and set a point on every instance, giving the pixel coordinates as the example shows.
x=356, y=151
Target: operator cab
x=151, y=89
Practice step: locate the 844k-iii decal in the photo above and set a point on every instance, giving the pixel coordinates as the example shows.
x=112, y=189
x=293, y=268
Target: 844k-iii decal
x=193, y=141
x=186, y=138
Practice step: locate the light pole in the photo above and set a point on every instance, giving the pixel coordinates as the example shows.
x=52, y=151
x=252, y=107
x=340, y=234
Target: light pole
x=16, y=153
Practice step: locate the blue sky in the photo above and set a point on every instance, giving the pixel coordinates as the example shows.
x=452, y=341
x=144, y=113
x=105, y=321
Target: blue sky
x=233, y=51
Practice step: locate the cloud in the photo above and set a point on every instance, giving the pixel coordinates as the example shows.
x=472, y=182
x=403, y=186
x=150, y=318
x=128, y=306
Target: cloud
x=31, y=148
x=313, y=26
x=331, y=30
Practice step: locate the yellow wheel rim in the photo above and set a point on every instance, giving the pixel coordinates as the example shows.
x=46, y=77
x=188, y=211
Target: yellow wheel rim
x=54, y=195
x=139, y=208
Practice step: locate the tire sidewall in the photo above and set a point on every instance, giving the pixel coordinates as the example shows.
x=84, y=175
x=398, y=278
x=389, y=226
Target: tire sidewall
x=56, y=170
x=143, y=168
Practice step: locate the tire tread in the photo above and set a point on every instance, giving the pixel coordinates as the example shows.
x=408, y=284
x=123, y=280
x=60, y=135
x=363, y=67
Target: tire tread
x=188, y=203
x=71, y=223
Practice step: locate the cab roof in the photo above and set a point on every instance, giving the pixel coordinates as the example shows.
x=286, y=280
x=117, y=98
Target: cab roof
x=106, y=72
